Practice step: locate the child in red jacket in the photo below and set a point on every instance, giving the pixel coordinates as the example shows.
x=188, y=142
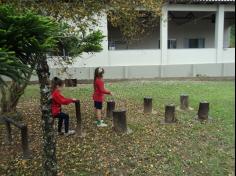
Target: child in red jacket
x=98, y=96
x=57, y=101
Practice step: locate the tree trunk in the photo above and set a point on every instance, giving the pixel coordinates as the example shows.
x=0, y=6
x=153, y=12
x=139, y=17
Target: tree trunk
x=49, y=141
x=8, y=132
x=11, y=95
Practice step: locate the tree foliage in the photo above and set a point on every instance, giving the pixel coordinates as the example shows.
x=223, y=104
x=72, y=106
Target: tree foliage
x=27, y=34
x=75, y=42
x=134, y=18
x=11, y=67
x=32, y=36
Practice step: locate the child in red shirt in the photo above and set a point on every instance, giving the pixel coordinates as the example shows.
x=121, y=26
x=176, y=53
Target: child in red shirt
x=57, y=101
x=98, y=96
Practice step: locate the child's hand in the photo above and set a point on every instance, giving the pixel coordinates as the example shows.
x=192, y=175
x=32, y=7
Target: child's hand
x=111, y=94
x=74, y=99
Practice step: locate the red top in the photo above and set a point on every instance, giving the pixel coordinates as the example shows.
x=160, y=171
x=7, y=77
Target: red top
x=57, y=101
x=99, y=90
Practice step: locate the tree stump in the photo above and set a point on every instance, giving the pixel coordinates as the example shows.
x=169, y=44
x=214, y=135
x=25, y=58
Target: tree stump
x=120, y=121
x=147, y=105
x=25, y=143
x=71, y=82
x=79, y=119
x=184, y=102
x=170, y=116
x=203, y=111
x=111, y=105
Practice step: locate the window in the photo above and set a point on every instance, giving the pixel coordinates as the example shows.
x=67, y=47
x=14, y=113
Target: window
x=172, y=44
x=195, y=43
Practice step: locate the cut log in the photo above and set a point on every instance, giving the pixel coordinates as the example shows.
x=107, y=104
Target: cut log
x=111, y=105
x=119, y=121
x=203, y=111
x=170, y=116
x=184, y=102
x=147, y=105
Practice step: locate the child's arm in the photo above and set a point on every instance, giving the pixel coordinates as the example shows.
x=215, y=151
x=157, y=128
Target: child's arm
x=101, y=87
x=62, y=100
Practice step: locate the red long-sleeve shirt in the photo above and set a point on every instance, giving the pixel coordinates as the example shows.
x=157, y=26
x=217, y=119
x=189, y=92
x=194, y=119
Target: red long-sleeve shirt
x=99, y=91
x=57, y=101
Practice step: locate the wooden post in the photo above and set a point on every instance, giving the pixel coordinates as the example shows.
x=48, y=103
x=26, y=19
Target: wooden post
x=25, y=143
x=78, y=117
x=68, y=82
x=74, y=82
x=203, y=111
x=71, y=82
x=8, y=132
x=110, y=107
x=170, y=114
x=184, y=102
x=119, y=121
x=79, y=129
x=147, y=105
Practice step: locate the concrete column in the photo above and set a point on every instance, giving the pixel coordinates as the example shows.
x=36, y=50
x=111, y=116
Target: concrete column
x=219, y=33
x=126, y=72
x=91, y=73
x=105, y=42
x=164, y=36
x=103, y=27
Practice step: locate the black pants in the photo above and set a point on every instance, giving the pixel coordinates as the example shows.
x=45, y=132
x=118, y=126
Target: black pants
x=63, y=117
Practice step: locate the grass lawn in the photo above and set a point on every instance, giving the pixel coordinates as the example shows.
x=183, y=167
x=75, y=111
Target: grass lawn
x=188, y=148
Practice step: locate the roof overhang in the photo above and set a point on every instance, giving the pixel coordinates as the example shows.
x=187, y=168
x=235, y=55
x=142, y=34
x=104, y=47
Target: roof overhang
x=201, y=1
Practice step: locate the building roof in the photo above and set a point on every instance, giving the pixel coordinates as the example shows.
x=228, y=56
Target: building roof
x=201, y=1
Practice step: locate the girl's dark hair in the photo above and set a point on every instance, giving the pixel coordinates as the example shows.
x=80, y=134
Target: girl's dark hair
x=98, y=73
x=56, y=82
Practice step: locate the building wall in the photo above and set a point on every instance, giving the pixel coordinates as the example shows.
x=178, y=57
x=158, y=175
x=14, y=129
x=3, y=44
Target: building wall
x=148, y=41
x=147, y=63
x=148, y=71
x=202, y=29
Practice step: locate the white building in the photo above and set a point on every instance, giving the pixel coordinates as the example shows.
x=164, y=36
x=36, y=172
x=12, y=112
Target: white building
x=193, y=38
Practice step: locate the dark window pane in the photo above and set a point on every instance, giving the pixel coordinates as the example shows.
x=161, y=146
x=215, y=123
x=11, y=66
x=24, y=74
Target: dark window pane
x=196, y=43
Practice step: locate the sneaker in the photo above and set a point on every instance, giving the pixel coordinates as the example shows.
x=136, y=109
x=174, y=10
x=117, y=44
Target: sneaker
x=71, y=132
x=102, y=125
x=102, y=121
